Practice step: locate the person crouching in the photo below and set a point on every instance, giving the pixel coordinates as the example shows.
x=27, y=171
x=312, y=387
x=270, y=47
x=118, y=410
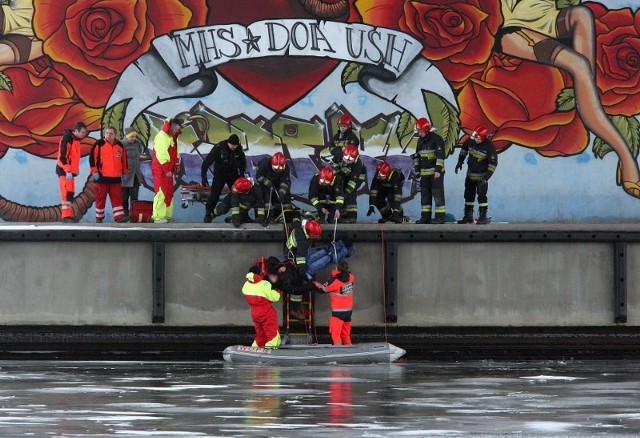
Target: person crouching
x=340, y=288
x=260, y=294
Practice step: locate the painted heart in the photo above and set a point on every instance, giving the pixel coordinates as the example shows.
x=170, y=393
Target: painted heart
x=275, y=82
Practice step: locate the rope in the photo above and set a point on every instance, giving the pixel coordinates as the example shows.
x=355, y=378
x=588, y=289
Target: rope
x=333, y=242
x=384, y=287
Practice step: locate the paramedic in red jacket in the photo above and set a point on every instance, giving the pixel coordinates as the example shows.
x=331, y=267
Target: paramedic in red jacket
x=260, y=294
x=68, y=167
x=340, y=290
x=164, y=165
x=108, y=162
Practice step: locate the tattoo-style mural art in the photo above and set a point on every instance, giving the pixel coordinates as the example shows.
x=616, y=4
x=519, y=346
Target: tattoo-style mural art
x=555, y=81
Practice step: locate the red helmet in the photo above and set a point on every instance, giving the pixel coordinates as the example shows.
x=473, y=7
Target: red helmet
x=313, y=228
x=350, y=154
x=383, y=170
x=325, y=176
x=345, y=120
x=261, y=264
x=242, y=185
x=424, y=125
x=278, y=162
x=481, y=133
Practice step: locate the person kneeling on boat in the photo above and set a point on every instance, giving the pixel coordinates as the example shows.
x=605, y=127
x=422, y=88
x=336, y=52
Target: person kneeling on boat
x=340, y=288
x=260, y=293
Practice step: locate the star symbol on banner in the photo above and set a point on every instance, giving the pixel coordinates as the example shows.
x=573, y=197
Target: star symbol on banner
x=251, y=41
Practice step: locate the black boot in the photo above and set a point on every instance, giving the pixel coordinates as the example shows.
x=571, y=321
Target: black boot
x=424, y=219
x=208, y=217
x=483, y=219
x=439, y=219
x=468, y=216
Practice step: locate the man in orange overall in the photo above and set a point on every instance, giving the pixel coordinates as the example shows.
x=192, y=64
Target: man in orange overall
x=108, y=162
x=259, y=293
x=164, y=165
x=340, y=290
x=68, y=167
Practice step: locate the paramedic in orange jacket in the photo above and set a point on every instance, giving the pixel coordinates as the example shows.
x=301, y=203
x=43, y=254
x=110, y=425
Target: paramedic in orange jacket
x=259, y=293
x=68, y=167
x=340, y=290
x=108, y=161
x=164, y=165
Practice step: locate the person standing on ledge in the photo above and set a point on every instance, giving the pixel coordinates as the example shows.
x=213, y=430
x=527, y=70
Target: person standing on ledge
x=429, y=164
x=68, y=167
x=165, y=164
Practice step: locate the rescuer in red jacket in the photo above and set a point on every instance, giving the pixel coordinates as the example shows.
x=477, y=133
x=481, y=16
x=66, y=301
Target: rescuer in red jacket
x=340, y=290
x=260, y=294
x=68, y=167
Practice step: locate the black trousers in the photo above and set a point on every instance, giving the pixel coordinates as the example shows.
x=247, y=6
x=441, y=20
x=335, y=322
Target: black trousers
x=473, y=187
x=130, y=194
x=432, y=189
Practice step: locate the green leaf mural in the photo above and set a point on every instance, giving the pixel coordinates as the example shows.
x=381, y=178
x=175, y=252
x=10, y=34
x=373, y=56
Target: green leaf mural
x=114, y=116
x=566, y=100
x=5, y=82
x=629, y=128
x=444, y=117
x=142, y=127
x=561, y=4
x=350, y=74
x=405, y=127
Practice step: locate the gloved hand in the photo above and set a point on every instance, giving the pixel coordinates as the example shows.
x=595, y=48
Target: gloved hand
x=371, y=210
x=487, y=176
x=396, y=217
x=281, y=194
x=69, y=176
x=317, y=285
x=96, y=176
x=264, y=222
x=236, y=221
x=458, y=166
x=204, y=182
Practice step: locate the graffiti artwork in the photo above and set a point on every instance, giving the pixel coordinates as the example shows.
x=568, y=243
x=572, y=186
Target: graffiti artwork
x=554, y=82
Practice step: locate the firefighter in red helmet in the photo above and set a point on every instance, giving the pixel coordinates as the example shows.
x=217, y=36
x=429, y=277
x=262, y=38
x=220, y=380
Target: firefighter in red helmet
x=345, y=136
x=325, y=194
x=429, y=164
x=299, y=241
x=274, y=178
x=481, y=164
x=353, y=175
x=243, y=197
x=385, y=193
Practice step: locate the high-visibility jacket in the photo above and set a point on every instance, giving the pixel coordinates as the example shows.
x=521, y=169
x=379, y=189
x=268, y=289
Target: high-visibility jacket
x=429, y=156
x=482, y=159
x=340, y=288
x=259, y=292
x=165, y=153
x=68, y=154
x=109, y=160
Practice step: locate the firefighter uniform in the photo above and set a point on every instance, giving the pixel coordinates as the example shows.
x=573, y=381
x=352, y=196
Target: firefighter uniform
x=298, y=244
x=328, y=196
x=340, y=290
x=386, y=196
x=260, y=294
x=164, y=164
x=240, y=203
x=68, y=163
x=109, y=161
x=429, y=160
x=276, y=187
x=482, y=160
x=353, y=176
x=339, y=141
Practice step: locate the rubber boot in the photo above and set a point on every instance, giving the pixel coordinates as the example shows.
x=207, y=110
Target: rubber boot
x=439, y=219
x=468, y=216
x=424, y=219
x=208, y=217
x=386, y=217
x=483, y=220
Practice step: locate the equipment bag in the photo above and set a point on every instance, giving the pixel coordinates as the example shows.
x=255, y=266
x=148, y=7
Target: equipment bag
x=141, y=211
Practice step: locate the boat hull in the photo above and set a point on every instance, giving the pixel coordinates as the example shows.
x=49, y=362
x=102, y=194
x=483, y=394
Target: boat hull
x=365, y=353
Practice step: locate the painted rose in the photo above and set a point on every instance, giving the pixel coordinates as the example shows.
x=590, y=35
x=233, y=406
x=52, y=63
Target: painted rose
x=517, y=100
x=92, y=41
x=41, y=105
x=457, y=35
x=617, y=59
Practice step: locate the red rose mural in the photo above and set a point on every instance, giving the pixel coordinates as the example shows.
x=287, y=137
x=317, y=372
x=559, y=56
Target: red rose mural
x=92, y=41
x=508, y=99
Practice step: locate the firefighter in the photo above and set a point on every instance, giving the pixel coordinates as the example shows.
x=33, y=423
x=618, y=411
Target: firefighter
x=164, y=165
x=429, y=164
x=353, y=175
x=299, y=241
x=68, y=167
x=274, y=178
x=385, y=193
x=290, y=283
x=325, y=194
x=340, y=290
x=108, y=161
x=481, y=164
x=229, y=163
x=342, y=138
x=243, y=197
x=260, y=293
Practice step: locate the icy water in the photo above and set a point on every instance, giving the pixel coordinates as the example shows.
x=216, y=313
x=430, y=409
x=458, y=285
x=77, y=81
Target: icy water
x=422, y=399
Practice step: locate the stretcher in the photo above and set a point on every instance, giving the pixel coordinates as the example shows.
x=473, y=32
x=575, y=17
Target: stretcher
x=192, y=193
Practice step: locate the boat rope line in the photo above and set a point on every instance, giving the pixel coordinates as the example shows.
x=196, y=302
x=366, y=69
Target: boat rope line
x=384, y=284
x=333, y=242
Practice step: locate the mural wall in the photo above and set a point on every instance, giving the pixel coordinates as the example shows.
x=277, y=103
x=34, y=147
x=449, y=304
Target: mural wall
x=556, y=81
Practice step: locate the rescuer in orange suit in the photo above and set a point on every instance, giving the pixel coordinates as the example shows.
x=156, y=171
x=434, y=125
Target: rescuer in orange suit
x=260, y=294
x=340, y=290
x=164, y=165
x=108, y=161
x=68, y=167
